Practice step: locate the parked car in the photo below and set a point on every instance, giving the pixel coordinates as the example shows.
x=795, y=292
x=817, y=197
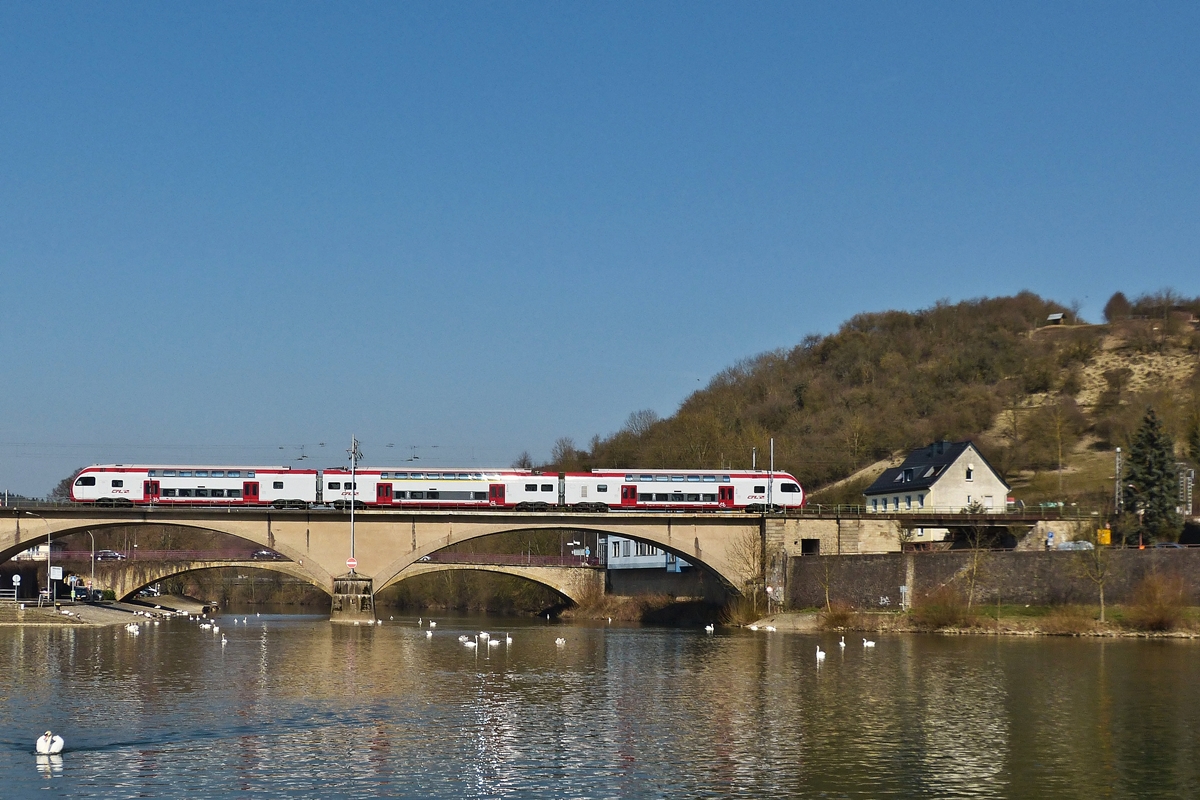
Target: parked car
x=1172, y=545
x=1077, y=545
x=82, y=594
x=266, y=555
x=109, y=555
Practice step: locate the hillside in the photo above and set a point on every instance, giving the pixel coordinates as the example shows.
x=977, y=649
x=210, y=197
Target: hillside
x=840, y=407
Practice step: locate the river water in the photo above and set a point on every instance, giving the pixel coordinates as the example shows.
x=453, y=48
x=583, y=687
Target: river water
x=293, y=706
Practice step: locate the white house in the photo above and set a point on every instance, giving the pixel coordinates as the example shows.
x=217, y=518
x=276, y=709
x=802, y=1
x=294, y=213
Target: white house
x=942, y=477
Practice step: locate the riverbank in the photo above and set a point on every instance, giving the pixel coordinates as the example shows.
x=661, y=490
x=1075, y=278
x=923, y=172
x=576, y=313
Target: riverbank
x=97, y=614
x=1032, y=622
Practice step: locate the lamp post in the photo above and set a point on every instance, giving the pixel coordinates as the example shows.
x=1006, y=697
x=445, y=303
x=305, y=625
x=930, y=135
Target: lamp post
x=92, y=584
x=355, y=455
x=49, y=586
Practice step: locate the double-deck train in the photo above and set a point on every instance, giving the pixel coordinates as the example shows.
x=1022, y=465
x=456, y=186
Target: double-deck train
x=443, y=488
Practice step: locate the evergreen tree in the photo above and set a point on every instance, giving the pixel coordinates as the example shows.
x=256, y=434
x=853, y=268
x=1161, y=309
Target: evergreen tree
x=1193, y=442
x=1150, y=480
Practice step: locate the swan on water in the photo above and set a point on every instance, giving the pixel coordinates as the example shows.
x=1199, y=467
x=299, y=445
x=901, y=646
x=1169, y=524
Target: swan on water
x=471, y=643
x=709, y=628
x=820, y=654
x=753, y=627
x=868, y=643
x=49, y=744
x=432, y=624
x=462, y=638
x=560, y=641
x=484, y=635
x=507, y=639
x=770, y=629
x=493, y=642
x=842, y=643
x=428, y=634
x=224, y=641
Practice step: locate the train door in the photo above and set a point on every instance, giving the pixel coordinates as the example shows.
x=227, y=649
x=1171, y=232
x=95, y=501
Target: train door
x=150, y=491
x=629, y=495
x=725, y=496
x=249, y=491
x=495, y=494
x=383, y=493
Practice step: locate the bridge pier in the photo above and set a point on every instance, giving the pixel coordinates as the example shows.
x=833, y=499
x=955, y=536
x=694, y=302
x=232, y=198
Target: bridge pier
x=353, y=599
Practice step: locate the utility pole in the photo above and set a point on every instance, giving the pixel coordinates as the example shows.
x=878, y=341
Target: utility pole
x=771, y=475
x=355, y=455
x=1117, y=502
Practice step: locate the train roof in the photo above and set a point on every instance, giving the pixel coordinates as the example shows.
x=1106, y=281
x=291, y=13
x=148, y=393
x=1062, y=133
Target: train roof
x=260, y=467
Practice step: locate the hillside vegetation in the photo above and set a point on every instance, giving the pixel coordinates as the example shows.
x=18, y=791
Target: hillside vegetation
x=1046, y=403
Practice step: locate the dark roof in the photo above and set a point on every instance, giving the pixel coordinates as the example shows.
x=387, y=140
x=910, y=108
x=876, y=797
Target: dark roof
x=927, y=464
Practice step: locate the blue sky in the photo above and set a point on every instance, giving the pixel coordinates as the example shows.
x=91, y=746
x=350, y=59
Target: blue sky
x=475, y=228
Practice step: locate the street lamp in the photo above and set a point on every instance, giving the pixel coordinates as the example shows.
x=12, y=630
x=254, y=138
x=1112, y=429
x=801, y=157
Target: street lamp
x=49, y=586
x=92, y=584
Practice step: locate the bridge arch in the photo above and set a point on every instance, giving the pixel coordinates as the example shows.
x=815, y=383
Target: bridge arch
x=572, y=583
x=137, y=575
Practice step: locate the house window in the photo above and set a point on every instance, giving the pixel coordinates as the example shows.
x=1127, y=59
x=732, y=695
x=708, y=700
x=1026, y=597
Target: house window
x=921, y=500
x=625, y=549
x=616, y=550
x=896, y=503
x=875, y=505
x=970, y=472
x=908, y=501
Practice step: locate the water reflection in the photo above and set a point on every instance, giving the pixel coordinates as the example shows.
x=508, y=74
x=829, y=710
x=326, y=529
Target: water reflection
x=294, y=705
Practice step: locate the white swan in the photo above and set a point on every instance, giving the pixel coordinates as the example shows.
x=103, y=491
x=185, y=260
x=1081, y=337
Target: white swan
x=709, y=628
x=432, y=624
x=49, y=744
x=770, y=629
x=560, y=641
x=507, y=639
x=868, y=643
x=753, y=627
x=471, y=643
x=493, y=642
x=428, y=634
x=842, y=643
x=820, y=654
x=224, y=641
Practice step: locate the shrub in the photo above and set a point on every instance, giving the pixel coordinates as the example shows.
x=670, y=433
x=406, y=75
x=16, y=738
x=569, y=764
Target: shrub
x=741, y=610
x=1068, y=621
x=839, y=617
x=944, y=607
x=1159, y=603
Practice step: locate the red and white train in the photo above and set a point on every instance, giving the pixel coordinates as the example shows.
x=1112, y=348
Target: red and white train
x=383, y=487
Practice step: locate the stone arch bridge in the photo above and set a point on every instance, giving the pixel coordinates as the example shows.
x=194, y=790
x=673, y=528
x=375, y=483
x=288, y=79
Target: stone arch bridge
x=390, y=545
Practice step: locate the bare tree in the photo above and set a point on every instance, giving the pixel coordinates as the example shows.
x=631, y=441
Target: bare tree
x=1095, y=564
x=640, y=422
x=746, y=557
x=978, y=538
x=62, y=491
x=563, y=453
x=524, y=461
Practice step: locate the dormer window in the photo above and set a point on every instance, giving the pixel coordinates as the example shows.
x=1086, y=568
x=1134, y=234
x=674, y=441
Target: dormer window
x=908, y=475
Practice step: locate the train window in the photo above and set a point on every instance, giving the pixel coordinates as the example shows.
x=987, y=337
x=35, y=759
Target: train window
x=660, y=498
x=789, y=488
x=477, y=476
x=662, y=478
x=202, y=493
x=645, y=477
x=277, y=485
x=417, y=495
x=693, y=478
x=233, y=492
x=760, y=489
x=216, y=492
x=249, y=473
x=217, y=473
x=334, y=485
x=678, y=478
x=463, y=476
x=603, y=487
x=399, y=474
x=693, y=498
x=677, y=497
x=547, y=487
x=480, y=495
x=168, y=473
x=201, y=473
x=628, y=477
x=399, y=495
x=383, y=474
x=168, y=492
x=152, y=473
x=416, y=475
x=531, y=487
x=185, y=473
x=709, y=478
x=724, y=479
x=233, y=473
x=709, y=498
x=646, y=497
x=186, y=493
x=349, y=485
x=117, y=484
x=432, y=495
x=86, y=480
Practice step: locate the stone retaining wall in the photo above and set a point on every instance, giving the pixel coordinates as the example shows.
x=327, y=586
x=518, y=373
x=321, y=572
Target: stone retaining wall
x=1033, y=577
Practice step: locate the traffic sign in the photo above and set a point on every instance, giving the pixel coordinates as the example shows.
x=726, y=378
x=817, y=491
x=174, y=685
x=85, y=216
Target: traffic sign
x=16, y=580
x=351, y=563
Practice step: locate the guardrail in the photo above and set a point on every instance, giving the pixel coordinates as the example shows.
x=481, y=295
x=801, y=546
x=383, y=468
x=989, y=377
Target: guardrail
x=163, y=555
x=511, y=559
